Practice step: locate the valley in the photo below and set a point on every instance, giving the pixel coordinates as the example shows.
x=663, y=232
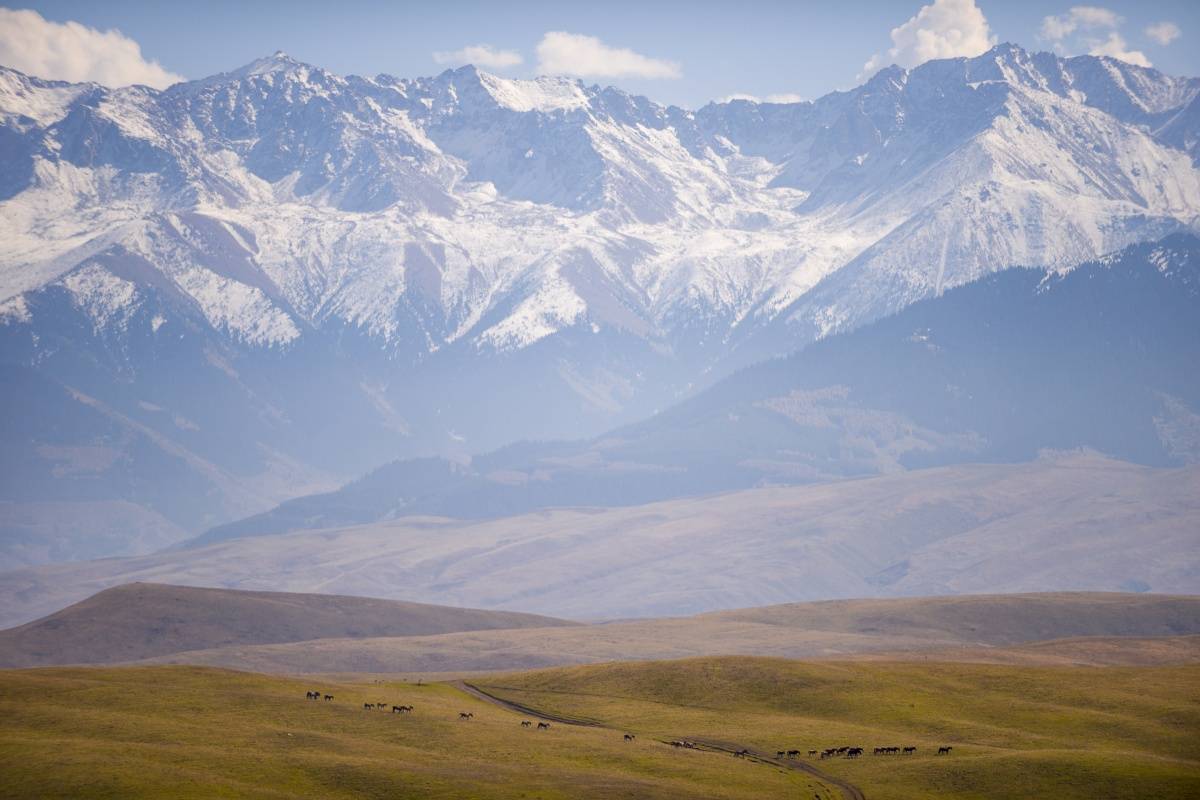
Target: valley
x=599, y=401
x=1073, y=521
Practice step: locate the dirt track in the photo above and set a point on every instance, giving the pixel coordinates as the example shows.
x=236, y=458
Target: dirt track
x=849, y=790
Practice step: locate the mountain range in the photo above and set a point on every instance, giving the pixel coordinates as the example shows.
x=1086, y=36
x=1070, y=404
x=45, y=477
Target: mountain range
x=1104, y=357
x=258, y=285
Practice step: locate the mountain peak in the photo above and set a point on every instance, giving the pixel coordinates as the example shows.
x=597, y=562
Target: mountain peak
x=279, y=61
x=544, y=93
x=1006, y=50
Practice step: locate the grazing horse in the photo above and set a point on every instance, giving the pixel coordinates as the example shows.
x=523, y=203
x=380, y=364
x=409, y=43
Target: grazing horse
x=944, y=750
x=368, y=706
x=677, y=744
x=780, y=753
x=629, y=737
x=543, y=726
x=812, y=753
x=397, y=709
x=328, y=697
x=312, y=695
x=793, y=753
x=908, y=751
x=741, y=753
x=465, y=715
x=526, y=723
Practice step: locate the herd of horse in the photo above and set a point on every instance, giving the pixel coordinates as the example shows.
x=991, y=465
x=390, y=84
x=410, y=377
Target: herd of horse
x=845, y=751
x=462, y=715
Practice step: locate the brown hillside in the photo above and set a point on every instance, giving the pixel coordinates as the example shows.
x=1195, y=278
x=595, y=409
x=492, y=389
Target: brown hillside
x=142, y=620
x=993, y=619
x=802, y=630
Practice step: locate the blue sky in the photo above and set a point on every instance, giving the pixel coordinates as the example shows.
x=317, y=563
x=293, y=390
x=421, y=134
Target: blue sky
x=685, y=53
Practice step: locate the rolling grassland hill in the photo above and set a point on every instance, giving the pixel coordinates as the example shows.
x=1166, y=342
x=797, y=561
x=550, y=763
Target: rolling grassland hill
x=142, y=620
x=1074, y=733
x=969, y=627
x=1063, y=732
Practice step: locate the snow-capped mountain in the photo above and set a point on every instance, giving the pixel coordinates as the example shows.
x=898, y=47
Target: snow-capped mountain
x=278, y=276
x=1102, y=358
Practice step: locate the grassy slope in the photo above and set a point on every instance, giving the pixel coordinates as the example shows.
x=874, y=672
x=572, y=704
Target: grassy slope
x=184, y=732
x=143, y=620
x=1017, y=731
x=1080, y=732
x=802, y=630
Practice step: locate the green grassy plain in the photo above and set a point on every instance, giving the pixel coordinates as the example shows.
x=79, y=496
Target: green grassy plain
x=1017, y=732
x=185, y=732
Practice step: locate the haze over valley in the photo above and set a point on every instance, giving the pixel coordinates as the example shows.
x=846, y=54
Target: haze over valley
x=619, y=400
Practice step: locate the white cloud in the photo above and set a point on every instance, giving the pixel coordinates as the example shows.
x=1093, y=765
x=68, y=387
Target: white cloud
x=73, y=52
x=561, y=53
x=481, y=55
x=1116, y=47
x=1163, y=32
x=1057, y=28
x=942, y=29
x=783, y=97
x=1081, y=29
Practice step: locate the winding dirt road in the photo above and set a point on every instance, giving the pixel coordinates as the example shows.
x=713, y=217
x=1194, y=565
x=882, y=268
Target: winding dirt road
x=849, y=791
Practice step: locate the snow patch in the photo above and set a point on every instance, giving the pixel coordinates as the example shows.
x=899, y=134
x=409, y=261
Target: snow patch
x=15, y=311
x=539, y=94
x=244, y=311
x=107, y=300
x=43, y=103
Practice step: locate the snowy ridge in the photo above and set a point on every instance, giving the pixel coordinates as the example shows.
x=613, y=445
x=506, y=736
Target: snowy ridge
x=468, y=209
